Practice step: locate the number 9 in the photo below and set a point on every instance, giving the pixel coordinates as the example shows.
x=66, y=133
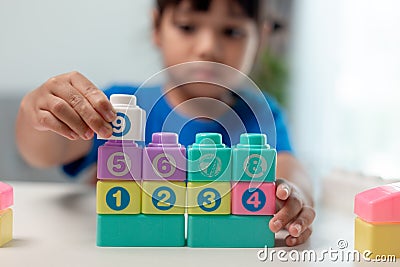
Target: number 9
x=121, y=125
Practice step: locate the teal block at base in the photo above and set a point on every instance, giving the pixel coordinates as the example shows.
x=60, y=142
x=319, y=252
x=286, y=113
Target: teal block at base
x=126, y=230
x=230, y=231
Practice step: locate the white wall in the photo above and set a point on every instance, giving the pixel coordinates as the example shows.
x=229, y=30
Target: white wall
x=346, y=85
x=106, y=40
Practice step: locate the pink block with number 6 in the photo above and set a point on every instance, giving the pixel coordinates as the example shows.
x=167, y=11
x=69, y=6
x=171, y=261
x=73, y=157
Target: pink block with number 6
x=119, y=160
x=250, y=198
x=164, y=158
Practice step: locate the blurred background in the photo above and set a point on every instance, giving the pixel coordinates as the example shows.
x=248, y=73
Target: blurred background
x=334, y=65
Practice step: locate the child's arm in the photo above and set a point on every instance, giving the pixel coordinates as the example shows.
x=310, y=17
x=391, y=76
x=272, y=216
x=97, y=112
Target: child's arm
x=56, y=122
x=294, y=199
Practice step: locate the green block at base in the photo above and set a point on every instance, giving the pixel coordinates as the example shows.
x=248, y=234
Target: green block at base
x=125, y=230
x=230, y=231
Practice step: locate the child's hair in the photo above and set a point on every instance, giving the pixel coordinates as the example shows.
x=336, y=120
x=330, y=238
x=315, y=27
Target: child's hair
x=254, y=9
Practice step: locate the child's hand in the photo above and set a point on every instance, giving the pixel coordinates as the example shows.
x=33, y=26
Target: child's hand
x=71, y=106
x=295, y=213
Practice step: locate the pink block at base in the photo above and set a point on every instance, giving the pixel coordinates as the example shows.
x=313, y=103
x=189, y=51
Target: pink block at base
x=6, y=196
x=119, y=160
x=250, y=198
x=164, y=158
x=380, y=204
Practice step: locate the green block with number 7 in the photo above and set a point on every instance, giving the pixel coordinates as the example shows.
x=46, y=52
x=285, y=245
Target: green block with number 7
x=253, y=159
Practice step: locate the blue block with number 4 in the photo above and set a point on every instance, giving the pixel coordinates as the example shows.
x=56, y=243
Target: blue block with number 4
x=229, y=231
x=140, y=230
x=253, y=159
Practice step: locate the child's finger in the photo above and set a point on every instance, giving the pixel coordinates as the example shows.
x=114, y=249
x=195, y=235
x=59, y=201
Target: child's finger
x=65, y=113
x=283, y=190
x=303, y=221
x=85, y=110
x=293, y=241
x=47, y=121
x=96, y=97
x=289, y=211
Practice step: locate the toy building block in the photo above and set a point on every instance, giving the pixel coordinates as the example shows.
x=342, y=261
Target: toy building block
x=119, y=160
x=118, y=197
x=130, y=121
x=6, y=196
x=164, y=158
x=163, y=197
x=377, y=227
x=209, y=198
x=379, y=238
x=380, y=204
x=140, y=230
x=209, y=159
x=253, y=159
x=229, y=231
x=6, y=226
x=253, y=198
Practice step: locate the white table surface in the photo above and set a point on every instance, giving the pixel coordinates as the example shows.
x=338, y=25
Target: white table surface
x=55, y=225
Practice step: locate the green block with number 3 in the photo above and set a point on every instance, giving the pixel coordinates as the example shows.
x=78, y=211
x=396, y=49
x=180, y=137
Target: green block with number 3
x=253, y=159
x=163, y=197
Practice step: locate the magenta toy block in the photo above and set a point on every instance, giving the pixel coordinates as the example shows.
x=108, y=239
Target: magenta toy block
x=119, y=160
x=250, y=198
x=6, y=196
x=380, y=204
x=164, y=158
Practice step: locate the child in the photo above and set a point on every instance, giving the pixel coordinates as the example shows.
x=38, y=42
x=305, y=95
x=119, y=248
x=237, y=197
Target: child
x=57, y=121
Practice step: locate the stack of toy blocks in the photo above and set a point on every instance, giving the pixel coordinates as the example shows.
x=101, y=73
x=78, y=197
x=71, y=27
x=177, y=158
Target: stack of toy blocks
x=377, y=227
x=6, y=214
x=230, y=204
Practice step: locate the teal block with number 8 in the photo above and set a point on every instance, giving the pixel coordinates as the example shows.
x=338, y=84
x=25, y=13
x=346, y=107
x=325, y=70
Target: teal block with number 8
x=209, y=159
x=253, y=159
x=230, y=231
x=123, y=230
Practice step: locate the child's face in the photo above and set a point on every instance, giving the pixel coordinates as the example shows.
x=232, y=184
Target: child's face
x=222, y=34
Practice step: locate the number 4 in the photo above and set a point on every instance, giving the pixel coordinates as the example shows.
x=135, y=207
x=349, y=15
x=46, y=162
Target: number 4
x=254, y=200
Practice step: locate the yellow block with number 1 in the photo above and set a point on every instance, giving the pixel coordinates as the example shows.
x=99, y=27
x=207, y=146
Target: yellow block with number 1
x=163, y=197
x=209, y=197
x=118, y=197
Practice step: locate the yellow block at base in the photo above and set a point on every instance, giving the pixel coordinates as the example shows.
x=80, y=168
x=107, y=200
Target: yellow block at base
x=382, y=239
x=119, y=197
x=6, y=226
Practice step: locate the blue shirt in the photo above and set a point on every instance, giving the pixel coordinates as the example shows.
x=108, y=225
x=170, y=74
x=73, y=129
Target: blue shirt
x=250, y=113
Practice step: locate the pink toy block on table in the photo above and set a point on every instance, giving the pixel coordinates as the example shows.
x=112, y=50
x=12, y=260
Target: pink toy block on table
x=119, y=160
x=250, y=198
x=6, y=196
x=381, y=204
x=164, y=158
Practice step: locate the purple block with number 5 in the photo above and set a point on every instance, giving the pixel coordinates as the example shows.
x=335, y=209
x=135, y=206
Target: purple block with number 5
x=119, y=160
x=249, y=198
x=164, y=158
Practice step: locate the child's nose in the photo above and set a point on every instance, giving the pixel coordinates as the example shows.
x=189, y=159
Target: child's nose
x=208, y=47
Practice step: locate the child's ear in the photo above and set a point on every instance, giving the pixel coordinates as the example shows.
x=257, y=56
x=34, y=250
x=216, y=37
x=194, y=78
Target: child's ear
x=156, y=27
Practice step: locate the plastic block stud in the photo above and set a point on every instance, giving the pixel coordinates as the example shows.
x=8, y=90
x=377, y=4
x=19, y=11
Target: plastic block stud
x=6, y=196
x=119, y=197
x=6, y=226
x=209, y=159
x=130, y=121
x=253, y=198
x=119, y=160
x=209, y=198
x=164, y=158
x=163, y=197
x=253, y=159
